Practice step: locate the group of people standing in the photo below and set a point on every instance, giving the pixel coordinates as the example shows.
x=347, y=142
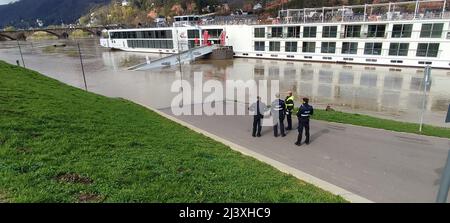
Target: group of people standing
x=281, y=110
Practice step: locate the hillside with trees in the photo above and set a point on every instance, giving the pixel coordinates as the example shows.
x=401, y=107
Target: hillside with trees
x=144, y=12
x=24, y=13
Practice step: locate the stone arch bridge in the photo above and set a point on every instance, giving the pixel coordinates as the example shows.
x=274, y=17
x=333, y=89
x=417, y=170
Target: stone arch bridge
x=61, y=33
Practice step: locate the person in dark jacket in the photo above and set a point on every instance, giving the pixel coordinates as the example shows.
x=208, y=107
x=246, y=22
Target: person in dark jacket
x=258, y=109
x=289, y=108
x=304, y=113
x=278, y=114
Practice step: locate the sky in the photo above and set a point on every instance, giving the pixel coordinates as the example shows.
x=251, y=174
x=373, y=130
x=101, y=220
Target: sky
x=2, y=2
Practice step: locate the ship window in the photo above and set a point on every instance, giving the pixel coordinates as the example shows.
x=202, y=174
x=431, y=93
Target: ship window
x=163, y=34
x=309, y=32
x=191, y=44
x=349, y=48
x=291, y=47
x=274, y=46
x=293, y=32
x=308, y=57
x=371, y=60
x=192, y=34
x=146, y=35
x=260, y=32
x=329, y=32
x=165, y=44
x=290, y=56
x=157, y=43
x=352, y=31
x=432, y=30
x=402, y=31
x=398, y=49
x=328, y=47
x=259, y=55
x=214, y=33
x=309, y=47
x=376, y=30
x=277, y=32
x=373, y=48
x=260, y=46
x=427, y=50
x=159, y=35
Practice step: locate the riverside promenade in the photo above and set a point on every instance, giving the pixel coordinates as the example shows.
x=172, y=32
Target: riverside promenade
x=379, y=165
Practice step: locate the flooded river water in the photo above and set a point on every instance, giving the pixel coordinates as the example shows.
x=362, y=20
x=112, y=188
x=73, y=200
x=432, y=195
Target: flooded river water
x=394, y=93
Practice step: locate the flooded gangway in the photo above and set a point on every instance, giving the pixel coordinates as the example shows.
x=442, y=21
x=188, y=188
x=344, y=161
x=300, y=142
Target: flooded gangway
x=186, y=56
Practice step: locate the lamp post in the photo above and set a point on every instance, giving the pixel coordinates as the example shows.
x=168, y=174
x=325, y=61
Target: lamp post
x=426, y=81
x=181, y=68
x=82, y=66
x=21, y=55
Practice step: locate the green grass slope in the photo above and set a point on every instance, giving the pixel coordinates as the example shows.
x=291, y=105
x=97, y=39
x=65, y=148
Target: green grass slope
x=61, y=144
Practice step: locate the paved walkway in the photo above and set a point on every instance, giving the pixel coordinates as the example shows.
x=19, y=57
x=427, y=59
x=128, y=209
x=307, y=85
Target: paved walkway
x=382, y=166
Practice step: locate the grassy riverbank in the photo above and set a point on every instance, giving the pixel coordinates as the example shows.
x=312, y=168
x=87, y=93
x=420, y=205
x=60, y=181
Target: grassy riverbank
x=379, y=123
x=61, y=144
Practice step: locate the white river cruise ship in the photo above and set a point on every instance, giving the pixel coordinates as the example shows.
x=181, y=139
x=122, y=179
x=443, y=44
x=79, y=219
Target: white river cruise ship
x=413, y=33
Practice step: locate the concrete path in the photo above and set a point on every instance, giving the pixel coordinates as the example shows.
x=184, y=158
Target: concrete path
x=382, y=166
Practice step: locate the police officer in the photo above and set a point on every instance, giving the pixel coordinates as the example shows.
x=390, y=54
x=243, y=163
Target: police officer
x=303, y=114
x=289, y=108
x=258, y=108
x=278, y=114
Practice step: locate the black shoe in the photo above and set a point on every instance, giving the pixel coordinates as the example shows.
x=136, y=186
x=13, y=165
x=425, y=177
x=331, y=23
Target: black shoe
x=307, y=143
x=284, y=135
x=254, y=135
x=259, y=135
x=288, y=129
x=298, y=144
x=276, y=136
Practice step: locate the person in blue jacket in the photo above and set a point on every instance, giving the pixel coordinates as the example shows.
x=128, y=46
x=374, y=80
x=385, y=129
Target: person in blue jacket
x=304, y=113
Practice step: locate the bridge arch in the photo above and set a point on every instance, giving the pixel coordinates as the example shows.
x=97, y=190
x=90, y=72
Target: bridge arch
x=7, y=37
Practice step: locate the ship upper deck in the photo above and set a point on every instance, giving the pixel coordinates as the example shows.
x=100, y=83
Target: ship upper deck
x=384, y=12
x=392, y=11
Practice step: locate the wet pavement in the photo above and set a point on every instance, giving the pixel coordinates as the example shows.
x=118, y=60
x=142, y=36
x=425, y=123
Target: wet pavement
x=379, y=165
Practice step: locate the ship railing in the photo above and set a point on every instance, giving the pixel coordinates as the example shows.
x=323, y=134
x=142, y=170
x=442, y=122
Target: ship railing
x=366, y=18
x=231, y=20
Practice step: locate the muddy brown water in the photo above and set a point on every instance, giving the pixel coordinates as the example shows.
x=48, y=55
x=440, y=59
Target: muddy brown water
x=387, y=92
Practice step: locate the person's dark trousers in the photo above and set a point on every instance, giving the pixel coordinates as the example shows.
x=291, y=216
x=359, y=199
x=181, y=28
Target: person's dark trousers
x=289, y=120
x=256, y=125
x=281, y=125
x=303, y=124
